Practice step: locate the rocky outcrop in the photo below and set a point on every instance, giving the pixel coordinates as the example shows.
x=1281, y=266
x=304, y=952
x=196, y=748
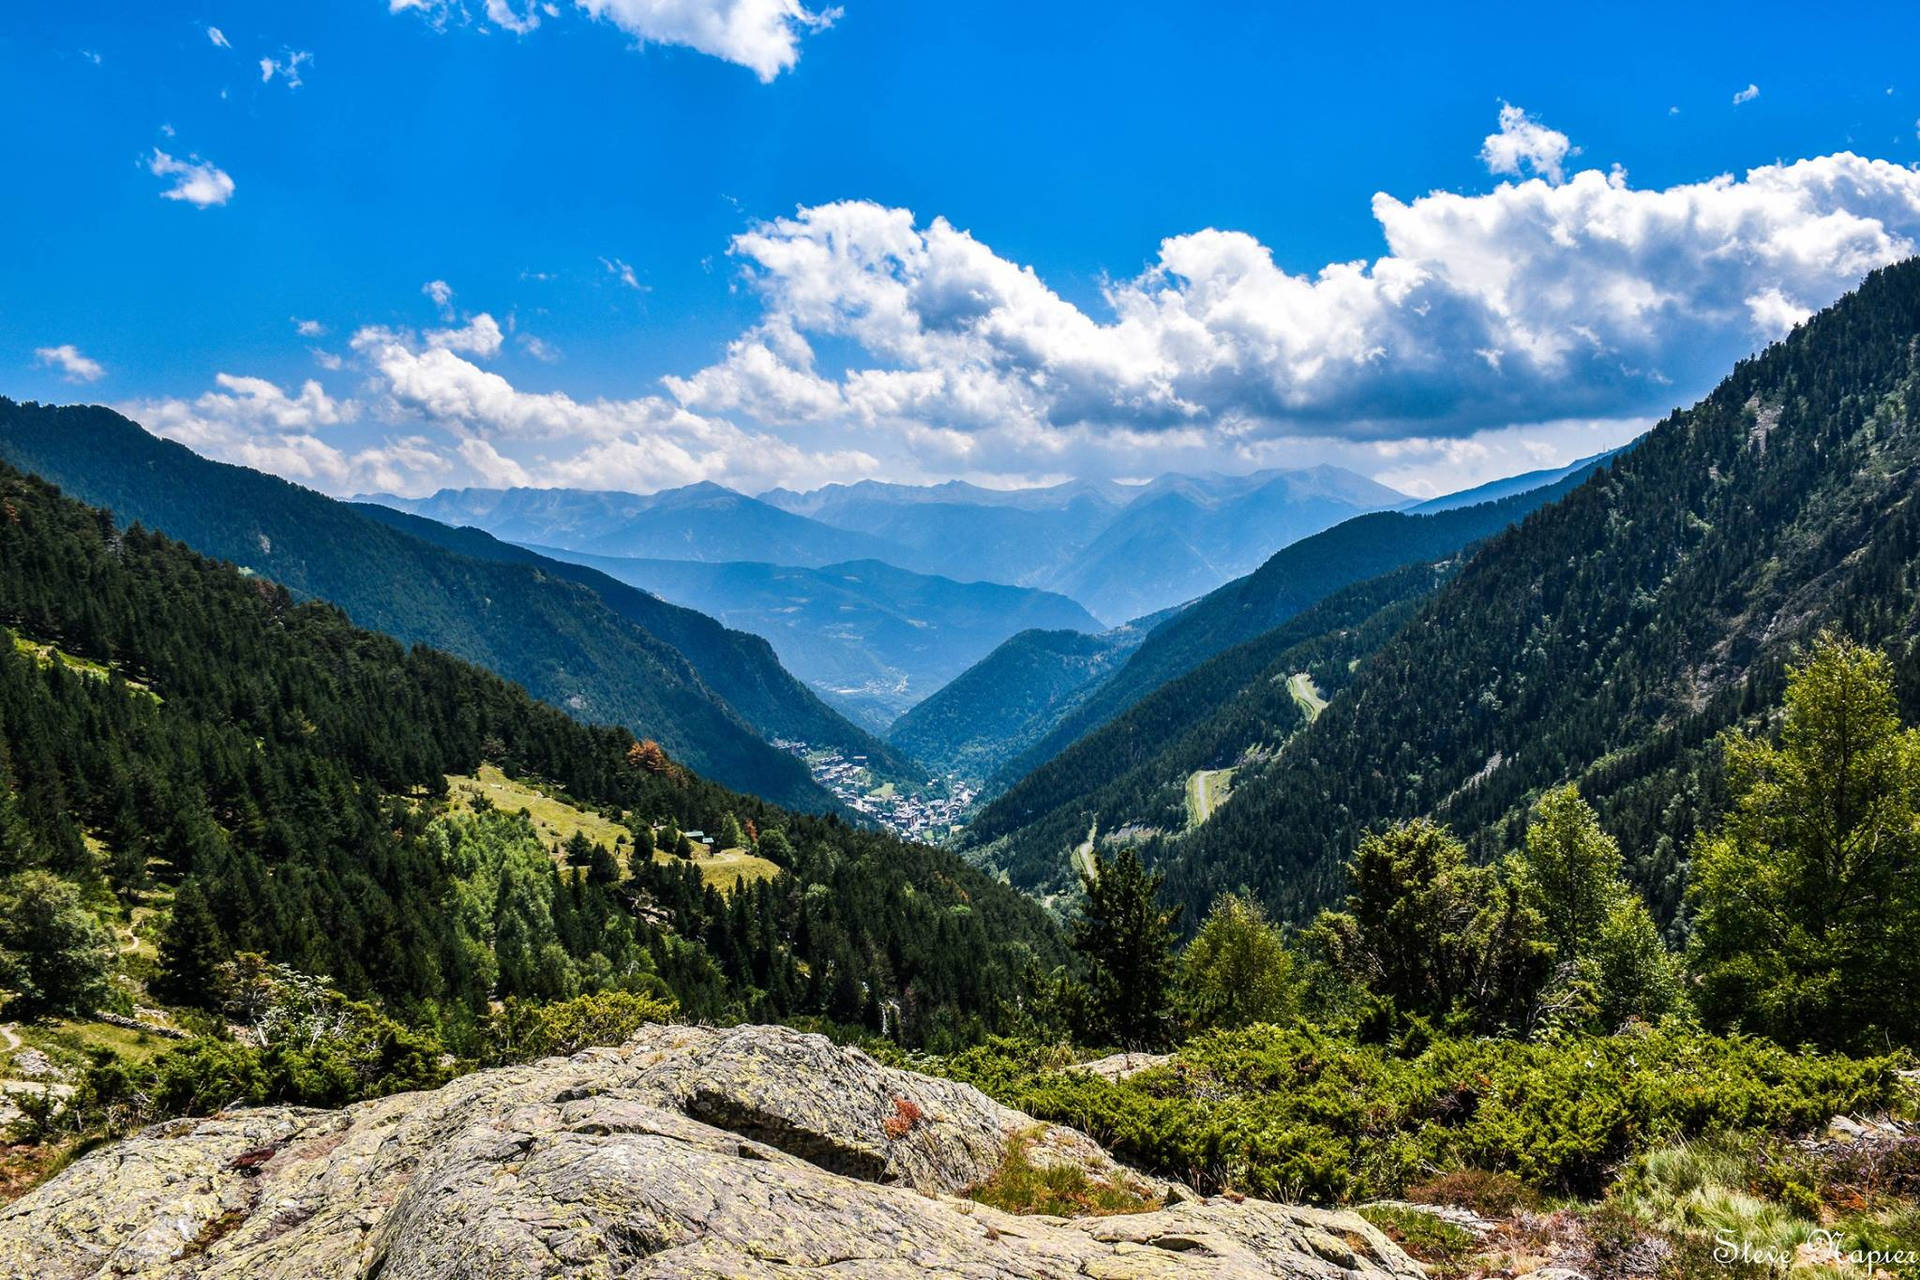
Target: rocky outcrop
x=689, y=1152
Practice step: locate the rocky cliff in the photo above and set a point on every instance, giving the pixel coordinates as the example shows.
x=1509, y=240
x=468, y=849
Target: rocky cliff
x=750, y=1152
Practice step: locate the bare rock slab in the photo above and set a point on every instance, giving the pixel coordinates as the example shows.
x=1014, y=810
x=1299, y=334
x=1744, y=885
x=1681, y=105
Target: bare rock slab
x=752, y=1152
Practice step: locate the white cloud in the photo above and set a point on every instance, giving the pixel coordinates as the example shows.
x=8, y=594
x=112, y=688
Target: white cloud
x=308, y=328
x=1747, y=94
x=552, y=438
x=442, y=295
x=73, y=366
x=622, y=272
x=1497, y=332
x=198, y=182
x=1534, y=302
x=762, y=35
x=480, y=336
x=501, y=14
x=256, y=423
x=544, y=352
x=218, y=37
x=287, y=67
x=1524, y=144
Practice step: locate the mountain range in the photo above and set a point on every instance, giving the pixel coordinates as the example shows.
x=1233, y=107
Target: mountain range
x=572, y=636
x=1119, y=550
x=871, y=638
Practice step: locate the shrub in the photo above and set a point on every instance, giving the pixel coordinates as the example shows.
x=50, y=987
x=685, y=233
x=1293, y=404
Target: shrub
x=522, y=1031
x=1295, y=1113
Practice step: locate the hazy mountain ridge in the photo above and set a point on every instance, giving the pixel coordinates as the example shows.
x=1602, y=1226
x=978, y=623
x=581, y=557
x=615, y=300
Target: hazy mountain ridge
x=1119, y=550
x=741, y=666
x=705, y=522
x=875, y=639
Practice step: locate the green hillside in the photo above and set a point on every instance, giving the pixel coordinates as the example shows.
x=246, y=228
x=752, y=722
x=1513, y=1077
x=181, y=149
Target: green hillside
x=533, y=622
x=1609, y=637
x=1000, y=705
x=740, y=667
x=1293, y=579
x=1129, y=779
x=248, y=773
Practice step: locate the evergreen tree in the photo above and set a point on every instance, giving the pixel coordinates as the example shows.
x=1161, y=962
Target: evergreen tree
x=1426, y=935
x=192, y=949
x=1127, y=939
x=55, y=955
x=1807, y=898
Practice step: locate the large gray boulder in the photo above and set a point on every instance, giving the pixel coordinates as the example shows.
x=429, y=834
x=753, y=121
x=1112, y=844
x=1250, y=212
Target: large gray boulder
x=750, y=1152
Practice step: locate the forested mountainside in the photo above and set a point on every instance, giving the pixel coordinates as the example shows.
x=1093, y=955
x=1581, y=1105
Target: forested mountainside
x=738, y=665
x=997, y=707
x=874, y=638
x=1608, y=638
x=1162, y=766
x=176, y=732
x=1292, y=579
x=528, y=621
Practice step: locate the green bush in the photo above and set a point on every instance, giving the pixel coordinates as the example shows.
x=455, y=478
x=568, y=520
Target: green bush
x=522, y=1031
x=1291, y=1112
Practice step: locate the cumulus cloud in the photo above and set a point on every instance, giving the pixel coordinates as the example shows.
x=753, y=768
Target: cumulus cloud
x=1525, y=145
x=649, y=442
x=256, y=423
x=1547, y=318
x=308, y=328
x=1747, y=94
x=73, y=365
x=762, y=35
x=1535, y=302
x=198, y=182
x=479, y=336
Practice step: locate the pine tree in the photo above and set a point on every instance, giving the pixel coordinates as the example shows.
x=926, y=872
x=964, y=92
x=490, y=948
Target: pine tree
x=191, y=950
x=1127, y=939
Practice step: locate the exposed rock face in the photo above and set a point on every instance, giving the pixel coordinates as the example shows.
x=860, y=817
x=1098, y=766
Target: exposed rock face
x=690, y=1152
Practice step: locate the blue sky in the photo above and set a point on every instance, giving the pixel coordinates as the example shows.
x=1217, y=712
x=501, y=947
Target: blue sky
x=742, y=240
